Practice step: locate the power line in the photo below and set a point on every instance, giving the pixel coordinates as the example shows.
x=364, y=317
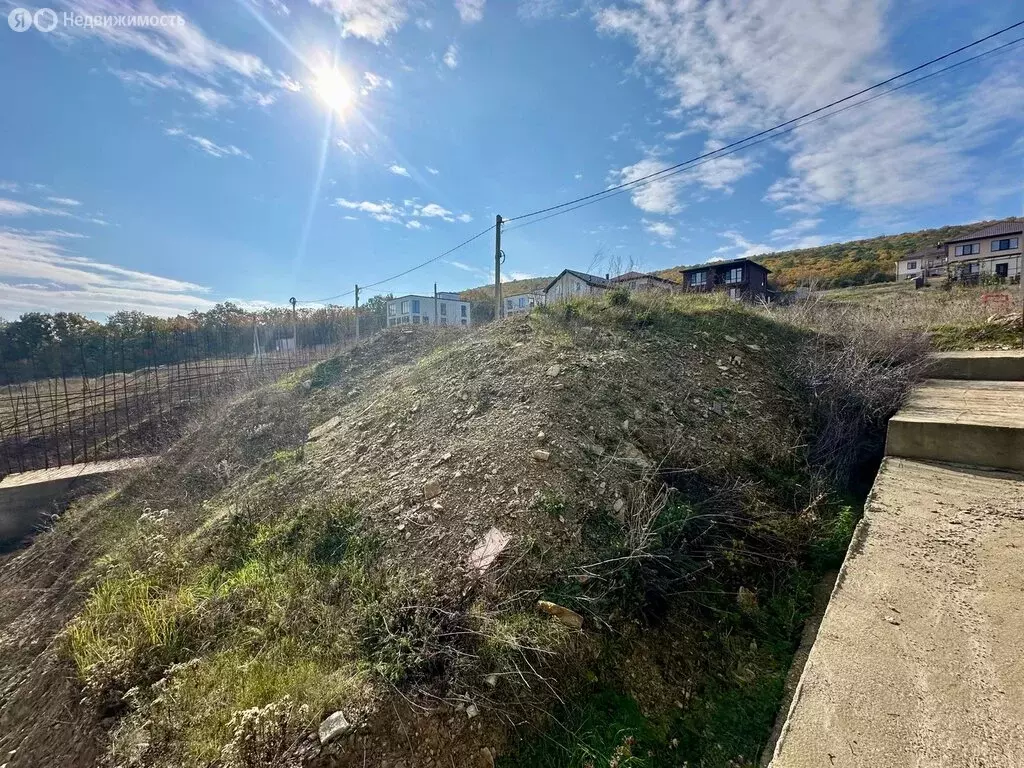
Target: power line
x=708, y=155
x=690, y=165
x=464, y=243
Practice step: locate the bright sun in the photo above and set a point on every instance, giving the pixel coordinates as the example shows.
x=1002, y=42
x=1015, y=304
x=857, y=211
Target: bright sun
x=334, y=89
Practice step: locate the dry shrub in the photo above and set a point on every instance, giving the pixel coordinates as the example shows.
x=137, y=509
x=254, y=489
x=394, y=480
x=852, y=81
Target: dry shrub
x=858, y=369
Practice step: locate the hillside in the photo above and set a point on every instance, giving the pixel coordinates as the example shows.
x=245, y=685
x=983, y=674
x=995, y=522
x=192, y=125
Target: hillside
x=577, y=537
x=486, y=292
x=839, y=265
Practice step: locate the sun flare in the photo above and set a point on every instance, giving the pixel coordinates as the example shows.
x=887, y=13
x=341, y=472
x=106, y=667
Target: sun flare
x=333, y=89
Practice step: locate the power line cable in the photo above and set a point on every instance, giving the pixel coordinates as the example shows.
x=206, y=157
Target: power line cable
x=720, y=150
x=464, y=243
x=697, y=162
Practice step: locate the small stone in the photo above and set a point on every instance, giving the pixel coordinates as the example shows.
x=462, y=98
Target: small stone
x=541, y=455
x=554, y=370
x=486, y=758
x=491, y=680
x=333, y=727
x=895, y=622
x=472, y=711
x=541, y=437
x=566, y=616
x=731, y=339
x=431, y=488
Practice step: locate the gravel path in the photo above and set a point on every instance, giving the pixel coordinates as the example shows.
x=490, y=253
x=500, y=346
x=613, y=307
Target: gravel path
x=919, y=660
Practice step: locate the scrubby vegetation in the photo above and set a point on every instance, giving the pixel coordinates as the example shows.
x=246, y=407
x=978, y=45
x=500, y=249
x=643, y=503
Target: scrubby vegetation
x=585, y=537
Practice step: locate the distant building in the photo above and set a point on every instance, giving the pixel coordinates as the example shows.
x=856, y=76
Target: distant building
x=992, y=252
x=571, y=284
x=420, y=310
x=519, y=303
x=930, y=262
x=740, y=278
x=643, y=281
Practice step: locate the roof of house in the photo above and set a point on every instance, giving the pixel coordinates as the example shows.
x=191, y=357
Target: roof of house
x=1002, y=228
x=928, y=253
x=728, y=263
x=594, y=280
x=627, y=276
x=440, y=297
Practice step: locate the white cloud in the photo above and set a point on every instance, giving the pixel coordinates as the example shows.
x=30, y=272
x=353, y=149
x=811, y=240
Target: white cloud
x=38, y=273
x=451, y=56
x=372, y=20
x=657, y=196
x=743, y=248
x=65, y=201
x=513, y=275
x=798, y=227
x=398, y=170
x=577, y=176
x=18, y=208
x=209, y=147
x=734, y=68
x=432, y=171
x=470, y=11
x=659, y=228
x=372, y=82
x=209, y=98
x=536, y=10
x=409, y=210
x=414, y=224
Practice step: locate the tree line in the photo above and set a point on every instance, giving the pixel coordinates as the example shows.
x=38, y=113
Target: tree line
x=39, y=344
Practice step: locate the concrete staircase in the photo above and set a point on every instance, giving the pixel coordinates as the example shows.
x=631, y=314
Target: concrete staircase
x=919, y=658
x=972, y=412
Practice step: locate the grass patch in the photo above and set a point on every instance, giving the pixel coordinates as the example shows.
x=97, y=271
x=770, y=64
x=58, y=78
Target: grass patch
x=977, y=335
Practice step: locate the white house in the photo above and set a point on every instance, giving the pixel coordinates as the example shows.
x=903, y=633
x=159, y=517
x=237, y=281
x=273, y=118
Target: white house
x=519, y=303
x=571, y=284
x=994, y=252
x=930, y=262
x=444, y=309
x=643, y=281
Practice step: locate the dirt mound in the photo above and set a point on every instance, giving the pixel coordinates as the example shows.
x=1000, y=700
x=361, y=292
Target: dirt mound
x=444, y=537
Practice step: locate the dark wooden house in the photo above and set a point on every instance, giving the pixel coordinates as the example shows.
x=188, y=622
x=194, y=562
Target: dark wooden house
x=740, y=278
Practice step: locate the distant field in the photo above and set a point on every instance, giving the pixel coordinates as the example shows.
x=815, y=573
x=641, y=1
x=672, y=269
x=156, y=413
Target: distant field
x=961, y=318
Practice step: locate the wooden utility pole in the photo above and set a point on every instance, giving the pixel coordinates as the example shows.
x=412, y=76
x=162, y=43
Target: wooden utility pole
x=497, y=267
x=295, y=333
x=357, y=312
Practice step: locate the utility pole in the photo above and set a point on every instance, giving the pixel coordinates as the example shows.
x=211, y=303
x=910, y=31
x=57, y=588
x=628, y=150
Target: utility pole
x=436, y=321
x=295, y=334
x=497, y=267
x=357, y=312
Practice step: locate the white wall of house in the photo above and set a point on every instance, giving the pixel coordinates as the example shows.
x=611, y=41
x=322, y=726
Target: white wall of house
x=908, y=269
x=518, y=303
x=645, y=284
x=979, y=257
x=419, y=310
x=569, y=286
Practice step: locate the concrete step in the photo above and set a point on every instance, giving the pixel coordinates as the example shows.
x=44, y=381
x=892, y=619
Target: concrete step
x=919, y=659
x=980, y=423
x=996, y=365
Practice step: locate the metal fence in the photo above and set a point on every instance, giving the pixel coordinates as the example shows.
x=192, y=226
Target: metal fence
x=116, y=397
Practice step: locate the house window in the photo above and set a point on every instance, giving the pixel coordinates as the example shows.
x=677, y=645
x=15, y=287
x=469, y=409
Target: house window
x=444, y=309
x=522, y=302
x=966, y=250
x=444, y=321
x=415, y=306
x=734, y=293
x=911, y=265
x=699, y=279
x=392, y=309
x=734, y=275
x=1003, y=270
x=508, y=303
x=415, y=319
x=463, y=307
x=1006, y=244
x=405, y=307
x=463, y=321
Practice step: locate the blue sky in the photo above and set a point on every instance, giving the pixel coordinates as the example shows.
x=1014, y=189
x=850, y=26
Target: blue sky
x=254, y=150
